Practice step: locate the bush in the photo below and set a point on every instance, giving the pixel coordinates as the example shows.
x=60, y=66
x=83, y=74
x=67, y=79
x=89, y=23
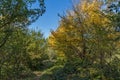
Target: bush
x=76, y=69
x=69, y=71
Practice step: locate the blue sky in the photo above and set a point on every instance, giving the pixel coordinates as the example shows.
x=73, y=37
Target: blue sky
x=50, y=19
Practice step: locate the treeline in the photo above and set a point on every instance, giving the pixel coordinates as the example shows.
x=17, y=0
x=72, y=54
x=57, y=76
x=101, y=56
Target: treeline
x=86, y=45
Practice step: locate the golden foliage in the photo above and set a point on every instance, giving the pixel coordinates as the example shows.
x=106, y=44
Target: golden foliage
x=87, y=24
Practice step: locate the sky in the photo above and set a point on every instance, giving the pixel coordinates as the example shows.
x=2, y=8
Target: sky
x=50, y=19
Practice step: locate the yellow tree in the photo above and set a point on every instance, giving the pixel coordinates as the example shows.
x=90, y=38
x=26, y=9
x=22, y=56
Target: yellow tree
x=79, y=27
x=86, y=32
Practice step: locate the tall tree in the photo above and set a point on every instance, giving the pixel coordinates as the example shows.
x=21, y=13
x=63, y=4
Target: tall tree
x=87, y=33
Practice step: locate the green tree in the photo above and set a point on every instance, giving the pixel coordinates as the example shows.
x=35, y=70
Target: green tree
x=37, y=50
x=18, y=13
x=13, y=55
x=24, y=51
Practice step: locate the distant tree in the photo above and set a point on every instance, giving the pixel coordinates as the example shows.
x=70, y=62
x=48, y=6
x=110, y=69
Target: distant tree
x=36, y=50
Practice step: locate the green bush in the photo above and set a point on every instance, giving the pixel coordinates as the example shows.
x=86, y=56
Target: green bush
x=69, y=71
x=77, y=69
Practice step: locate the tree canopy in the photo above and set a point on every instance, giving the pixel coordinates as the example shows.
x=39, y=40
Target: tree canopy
x=18, y=13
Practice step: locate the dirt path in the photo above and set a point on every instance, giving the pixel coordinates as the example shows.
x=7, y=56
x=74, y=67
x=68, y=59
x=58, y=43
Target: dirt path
x=38, y=75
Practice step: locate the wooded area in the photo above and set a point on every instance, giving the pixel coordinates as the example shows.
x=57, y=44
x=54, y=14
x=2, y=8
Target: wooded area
x=85, y=46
